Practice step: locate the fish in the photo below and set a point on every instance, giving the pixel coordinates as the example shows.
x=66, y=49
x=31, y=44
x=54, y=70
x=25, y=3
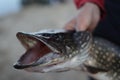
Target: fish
x=58, y=50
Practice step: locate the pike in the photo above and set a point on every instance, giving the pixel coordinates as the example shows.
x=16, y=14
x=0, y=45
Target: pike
x=60, y=50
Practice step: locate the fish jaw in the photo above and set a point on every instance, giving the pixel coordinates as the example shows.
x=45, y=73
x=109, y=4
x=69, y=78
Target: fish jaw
x=37, y=53
x=51, y=52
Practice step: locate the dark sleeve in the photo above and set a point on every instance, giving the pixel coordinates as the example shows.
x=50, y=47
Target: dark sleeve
x=100, y=3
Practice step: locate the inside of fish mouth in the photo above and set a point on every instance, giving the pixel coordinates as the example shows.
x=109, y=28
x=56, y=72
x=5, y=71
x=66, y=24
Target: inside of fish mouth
x=35, y=50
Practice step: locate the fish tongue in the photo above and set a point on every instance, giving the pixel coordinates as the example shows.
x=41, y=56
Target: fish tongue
x=33, y=54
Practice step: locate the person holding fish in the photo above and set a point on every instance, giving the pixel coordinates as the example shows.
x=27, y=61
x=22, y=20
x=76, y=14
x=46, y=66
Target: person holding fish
x=61, y=50
x=101, y=17
x=98, y=16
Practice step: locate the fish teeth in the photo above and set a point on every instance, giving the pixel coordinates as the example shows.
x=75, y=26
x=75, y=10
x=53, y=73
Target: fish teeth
x=55, y=60
x=31, y=43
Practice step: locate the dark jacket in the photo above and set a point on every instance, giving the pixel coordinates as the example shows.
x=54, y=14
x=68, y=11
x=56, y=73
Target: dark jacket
x=109, y=26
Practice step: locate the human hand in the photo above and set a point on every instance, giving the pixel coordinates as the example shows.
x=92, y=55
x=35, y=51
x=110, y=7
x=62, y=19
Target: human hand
x=87, y=19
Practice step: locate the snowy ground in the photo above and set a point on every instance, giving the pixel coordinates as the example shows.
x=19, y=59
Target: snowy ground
x=30, y=19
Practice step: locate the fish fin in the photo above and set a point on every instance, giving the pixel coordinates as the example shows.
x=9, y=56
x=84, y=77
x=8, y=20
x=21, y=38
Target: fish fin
x=94, y=70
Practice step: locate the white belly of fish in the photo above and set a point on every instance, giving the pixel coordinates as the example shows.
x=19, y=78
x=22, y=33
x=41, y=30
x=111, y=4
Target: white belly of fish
x=100, y=76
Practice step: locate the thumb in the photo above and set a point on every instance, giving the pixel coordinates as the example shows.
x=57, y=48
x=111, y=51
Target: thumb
x=70, y=25
x=83, y=22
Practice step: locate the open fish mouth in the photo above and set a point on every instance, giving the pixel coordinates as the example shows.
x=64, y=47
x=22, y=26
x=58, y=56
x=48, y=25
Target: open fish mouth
x=38, y=52
x=53, y=50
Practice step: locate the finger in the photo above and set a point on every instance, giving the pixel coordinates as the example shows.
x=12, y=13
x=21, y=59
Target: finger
x=83, y=22
x=92, y=27
x=94, y=23
x=70, y=25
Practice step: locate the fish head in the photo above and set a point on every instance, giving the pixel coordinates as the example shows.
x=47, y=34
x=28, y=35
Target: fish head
x=52, y=50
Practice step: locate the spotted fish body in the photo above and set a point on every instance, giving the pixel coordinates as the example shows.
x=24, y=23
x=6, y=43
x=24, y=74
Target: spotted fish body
x=56, y=51
x=105, y=59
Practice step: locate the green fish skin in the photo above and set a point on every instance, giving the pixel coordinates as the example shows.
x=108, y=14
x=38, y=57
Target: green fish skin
x=58, y=50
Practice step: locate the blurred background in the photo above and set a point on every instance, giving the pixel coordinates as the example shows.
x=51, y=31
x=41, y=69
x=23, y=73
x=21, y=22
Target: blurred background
x=31, y=16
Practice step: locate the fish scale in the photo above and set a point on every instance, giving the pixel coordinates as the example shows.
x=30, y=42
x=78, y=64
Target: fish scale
x=96, y=56
x=106, y=56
